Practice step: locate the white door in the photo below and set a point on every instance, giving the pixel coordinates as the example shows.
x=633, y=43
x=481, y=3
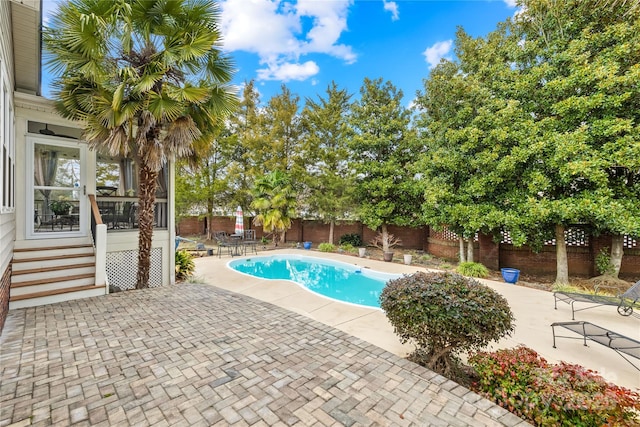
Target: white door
x=57, y=201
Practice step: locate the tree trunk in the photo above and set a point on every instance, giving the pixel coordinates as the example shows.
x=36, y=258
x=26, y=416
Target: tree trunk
x=463, y=256
x=146, y=199
x=562, y=265
x=470, y=250
x=385, y=238
x=210, y=219
x=617, y=251
x=331, y=230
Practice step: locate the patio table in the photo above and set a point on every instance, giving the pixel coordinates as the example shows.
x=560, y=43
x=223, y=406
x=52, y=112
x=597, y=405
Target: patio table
x=236, y=242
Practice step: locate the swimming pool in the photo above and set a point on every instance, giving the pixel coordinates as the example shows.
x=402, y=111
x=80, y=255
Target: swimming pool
x=333, y=279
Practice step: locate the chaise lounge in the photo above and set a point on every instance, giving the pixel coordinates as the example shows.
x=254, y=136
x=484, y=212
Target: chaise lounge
x=625, y=301
x=621, y=344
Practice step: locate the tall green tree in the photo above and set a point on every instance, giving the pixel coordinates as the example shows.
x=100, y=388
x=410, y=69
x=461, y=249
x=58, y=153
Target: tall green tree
x=201, y=181
x=146, y=77
x=246, y=138
x=470, y=169
x=580, y=80
x=283, y=133
x=329, y=179
x=382, y=149
x=275, y=201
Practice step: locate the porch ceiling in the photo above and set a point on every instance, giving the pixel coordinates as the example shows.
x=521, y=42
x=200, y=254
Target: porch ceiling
x=26, y=19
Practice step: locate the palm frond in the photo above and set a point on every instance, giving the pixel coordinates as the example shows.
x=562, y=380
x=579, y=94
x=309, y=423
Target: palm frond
x=180, y=136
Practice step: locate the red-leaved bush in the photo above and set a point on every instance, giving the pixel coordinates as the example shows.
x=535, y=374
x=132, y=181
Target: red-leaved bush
x=545, y=394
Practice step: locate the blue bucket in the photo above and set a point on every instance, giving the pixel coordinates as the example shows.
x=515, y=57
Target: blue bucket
x=510, y=275
x=307, y=245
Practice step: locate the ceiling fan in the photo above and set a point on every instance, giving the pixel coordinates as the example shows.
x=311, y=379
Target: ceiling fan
x=46, y=130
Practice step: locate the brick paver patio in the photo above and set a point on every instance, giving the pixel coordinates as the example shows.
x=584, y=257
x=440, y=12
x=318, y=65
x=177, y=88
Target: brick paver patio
x=195, y=355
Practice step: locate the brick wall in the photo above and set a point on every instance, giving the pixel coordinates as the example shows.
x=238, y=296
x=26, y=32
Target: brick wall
x=5, y=285
x=444, y=244
x=191, y=226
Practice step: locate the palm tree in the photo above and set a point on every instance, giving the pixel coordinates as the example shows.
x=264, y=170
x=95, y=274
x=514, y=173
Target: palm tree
x=275, y=201
x=147, y=78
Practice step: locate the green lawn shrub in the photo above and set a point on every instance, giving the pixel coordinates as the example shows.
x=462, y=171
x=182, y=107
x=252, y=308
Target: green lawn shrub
x=353, y=239
x=473, y=269
x=546, y=394
x=326, y=247
x=444, y=314
x=347, y=247
x=184, y=265
x=603, y=262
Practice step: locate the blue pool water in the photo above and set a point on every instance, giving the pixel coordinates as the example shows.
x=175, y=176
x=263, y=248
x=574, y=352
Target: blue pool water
x=341, y=281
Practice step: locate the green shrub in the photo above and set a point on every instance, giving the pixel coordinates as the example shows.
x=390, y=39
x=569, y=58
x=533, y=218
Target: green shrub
x=326, y=247
x=184, y=265
x=347, y=247
x=353, y=239
x=552, y=395
x=444, y=314
x=473, y=269
x=603, y=262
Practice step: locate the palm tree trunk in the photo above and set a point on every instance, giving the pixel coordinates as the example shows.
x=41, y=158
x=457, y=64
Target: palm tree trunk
x=470, y=249
x=562, y=265
x=146, y=198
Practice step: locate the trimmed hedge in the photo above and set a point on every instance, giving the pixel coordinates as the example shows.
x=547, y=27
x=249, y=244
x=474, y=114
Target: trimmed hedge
x=444, y=314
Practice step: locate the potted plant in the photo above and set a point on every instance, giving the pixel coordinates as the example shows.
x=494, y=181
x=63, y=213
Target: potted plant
x=391, y=242
x=264, y=242
x=61, y=207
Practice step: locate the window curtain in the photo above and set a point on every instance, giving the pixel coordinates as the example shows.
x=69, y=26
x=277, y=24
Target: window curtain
x=163, y=183
x=127, y=186
x=46, y=164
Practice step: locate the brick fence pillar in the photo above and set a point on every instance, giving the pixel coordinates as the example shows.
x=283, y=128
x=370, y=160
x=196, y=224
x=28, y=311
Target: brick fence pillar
x=489, y=252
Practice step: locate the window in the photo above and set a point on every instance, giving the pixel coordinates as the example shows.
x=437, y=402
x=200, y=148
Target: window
x=118, y=176
x=117, y=192
x=7, y=145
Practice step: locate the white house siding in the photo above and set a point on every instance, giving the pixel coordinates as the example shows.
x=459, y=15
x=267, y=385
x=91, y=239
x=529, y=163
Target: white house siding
x=7, y=214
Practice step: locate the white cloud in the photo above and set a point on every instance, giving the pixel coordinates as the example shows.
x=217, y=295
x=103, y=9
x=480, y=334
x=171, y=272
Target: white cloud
x=273, y=30
x=288, y=71
x=329, y=21
x=392, y=7
x=510, y=3
x=49, y=7
x=435, y=53
x=258, y=26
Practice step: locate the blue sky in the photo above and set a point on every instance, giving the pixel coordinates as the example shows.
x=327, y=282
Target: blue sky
x=306, y=44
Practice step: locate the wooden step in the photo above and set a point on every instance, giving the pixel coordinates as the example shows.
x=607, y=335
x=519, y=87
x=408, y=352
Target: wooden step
x=47, y=264
x=52, y=280
x=56, y=268
x=52, y=292
x=49, y=248
x=49, y=258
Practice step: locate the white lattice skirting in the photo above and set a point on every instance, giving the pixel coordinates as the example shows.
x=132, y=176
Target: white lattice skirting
x=122, y=267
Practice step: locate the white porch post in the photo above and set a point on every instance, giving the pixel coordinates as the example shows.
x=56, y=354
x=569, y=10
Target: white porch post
x=101, y=256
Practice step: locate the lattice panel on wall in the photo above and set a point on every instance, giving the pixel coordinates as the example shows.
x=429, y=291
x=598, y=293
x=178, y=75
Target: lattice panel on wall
x=630, y=243
x=122, y=268
x=506, y=237
x=573, y=237
x=445, y=234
